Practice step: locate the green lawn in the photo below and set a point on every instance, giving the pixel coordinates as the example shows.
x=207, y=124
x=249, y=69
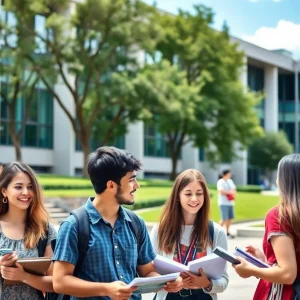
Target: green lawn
x=249, y=206
x=68, y=181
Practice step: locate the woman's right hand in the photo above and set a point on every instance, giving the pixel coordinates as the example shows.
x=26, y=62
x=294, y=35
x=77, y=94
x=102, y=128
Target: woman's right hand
x=8, y=260
x=256, y=252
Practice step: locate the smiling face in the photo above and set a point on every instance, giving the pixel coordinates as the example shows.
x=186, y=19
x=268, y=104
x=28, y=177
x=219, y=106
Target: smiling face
x=191, y=198
x=127, y=188
x=19, y=191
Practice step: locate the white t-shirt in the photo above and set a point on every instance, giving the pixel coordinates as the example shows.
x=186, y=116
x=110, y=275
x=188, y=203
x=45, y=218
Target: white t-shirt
x=218, y=285
x=225, y=185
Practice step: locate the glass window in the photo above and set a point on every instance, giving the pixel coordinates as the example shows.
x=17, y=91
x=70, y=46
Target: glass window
x=31, y=133
x=155, y=143
x=201, y=154
x=39, y=127
x=45, y=137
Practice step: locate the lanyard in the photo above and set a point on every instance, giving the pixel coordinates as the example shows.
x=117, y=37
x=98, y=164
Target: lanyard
x=190, y=253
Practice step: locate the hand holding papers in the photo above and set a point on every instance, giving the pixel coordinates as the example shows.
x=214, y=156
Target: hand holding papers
x=152, y=284
x=213, y=266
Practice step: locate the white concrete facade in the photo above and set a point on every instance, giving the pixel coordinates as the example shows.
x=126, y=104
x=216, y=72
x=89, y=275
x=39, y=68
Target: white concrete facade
x=65, y=160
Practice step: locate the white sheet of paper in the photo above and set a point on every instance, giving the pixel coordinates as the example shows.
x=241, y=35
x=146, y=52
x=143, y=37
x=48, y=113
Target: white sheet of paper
x=152, y=284
x=165, y=265
x=213, y=266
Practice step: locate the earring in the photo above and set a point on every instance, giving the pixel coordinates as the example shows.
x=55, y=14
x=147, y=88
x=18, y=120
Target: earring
x=4, y=200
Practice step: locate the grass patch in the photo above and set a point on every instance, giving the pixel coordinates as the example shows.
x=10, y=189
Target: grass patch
x=248, y=206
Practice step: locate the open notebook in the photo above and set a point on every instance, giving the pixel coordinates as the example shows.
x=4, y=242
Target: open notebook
x=33, y=265
x=213, y=266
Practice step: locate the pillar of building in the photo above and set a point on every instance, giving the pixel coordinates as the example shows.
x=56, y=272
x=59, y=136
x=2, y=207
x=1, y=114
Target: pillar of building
x=271, y=99
x=190, y=156
x=134, y=142
x=239, y=166
x=64, y=137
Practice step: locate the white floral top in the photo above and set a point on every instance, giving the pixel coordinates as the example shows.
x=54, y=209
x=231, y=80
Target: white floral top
x=21, y=291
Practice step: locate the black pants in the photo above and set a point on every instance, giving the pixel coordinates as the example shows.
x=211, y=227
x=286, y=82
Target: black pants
x=196, y=295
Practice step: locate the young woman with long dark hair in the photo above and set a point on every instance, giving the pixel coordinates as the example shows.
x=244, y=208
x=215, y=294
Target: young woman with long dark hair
x=281, y=243
x=183, y=234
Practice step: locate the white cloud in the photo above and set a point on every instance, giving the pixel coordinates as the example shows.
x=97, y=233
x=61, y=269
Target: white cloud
x=284, y=36
x=253, y=1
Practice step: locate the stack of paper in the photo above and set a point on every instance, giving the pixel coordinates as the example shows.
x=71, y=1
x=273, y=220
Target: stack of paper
x=152, y=284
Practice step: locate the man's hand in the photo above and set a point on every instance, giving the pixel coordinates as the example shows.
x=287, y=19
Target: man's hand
x=8, y=260
x=120, y=291
x=13, y=273
x=174, y=286
x=196, y=281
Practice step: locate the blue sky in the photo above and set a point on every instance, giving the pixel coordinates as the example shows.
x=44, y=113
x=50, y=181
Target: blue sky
x=271, y=24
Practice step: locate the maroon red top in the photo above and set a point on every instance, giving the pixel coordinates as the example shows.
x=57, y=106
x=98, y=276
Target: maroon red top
x=273, y=228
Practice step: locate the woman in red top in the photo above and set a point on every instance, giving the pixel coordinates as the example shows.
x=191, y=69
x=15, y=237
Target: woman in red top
x=281, y=244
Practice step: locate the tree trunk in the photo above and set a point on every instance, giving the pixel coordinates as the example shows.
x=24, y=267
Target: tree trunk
x=174, y=160
x=17, y=145
x=84, y=139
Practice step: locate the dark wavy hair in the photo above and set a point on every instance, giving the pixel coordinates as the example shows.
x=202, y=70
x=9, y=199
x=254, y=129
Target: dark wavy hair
x=289, y=190
x=110, y=163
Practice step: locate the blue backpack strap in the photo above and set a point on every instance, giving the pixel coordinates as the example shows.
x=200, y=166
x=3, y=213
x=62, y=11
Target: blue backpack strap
x=211, y=231
x=83, y=229
x=135, y=226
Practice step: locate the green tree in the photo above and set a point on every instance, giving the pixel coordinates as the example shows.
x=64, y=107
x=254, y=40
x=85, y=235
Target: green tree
x=20, y=79
x=212, y=63
x=84, y=50
x=266, y=151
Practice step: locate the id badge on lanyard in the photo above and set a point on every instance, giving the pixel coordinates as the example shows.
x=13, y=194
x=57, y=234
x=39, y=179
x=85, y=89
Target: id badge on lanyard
x=190, y=253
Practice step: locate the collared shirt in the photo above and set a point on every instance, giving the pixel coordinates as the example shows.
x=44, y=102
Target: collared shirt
x=113, y=252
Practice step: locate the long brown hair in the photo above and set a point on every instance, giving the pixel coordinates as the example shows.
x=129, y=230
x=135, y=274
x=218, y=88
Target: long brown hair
x=37, y=216
x=289, y=189
x=171, y=219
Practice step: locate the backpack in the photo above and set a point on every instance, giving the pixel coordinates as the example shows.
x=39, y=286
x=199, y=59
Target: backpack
x=83, y=229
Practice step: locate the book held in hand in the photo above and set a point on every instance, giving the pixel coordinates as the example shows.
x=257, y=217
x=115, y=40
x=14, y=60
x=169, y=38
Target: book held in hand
x=33, y=265
x=213, y=266
x=232, y=258
x=152, y=284
x=250, y=258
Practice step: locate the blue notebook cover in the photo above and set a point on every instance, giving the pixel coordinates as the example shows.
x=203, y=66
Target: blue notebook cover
x=250, y=258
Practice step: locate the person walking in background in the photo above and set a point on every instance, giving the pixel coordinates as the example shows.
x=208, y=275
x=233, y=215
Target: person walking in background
x=281, y=243
x=185, y=233
x=226, y=196
x=115, y=254
x=23, y=222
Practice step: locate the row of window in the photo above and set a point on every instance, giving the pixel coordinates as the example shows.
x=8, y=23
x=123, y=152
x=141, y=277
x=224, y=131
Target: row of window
x=38, y=131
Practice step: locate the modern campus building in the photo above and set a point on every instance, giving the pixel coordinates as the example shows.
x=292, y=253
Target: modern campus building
x=49, y=143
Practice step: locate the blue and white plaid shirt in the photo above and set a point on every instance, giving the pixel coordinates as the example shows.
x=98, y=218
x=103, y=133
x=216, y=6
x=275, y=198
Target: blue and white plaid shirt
x=113, y=252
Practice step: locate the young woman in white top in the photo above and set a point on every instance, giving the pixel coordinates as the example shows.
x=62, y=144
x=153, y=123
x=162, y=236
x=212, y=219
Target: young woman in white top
x=183, y=235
